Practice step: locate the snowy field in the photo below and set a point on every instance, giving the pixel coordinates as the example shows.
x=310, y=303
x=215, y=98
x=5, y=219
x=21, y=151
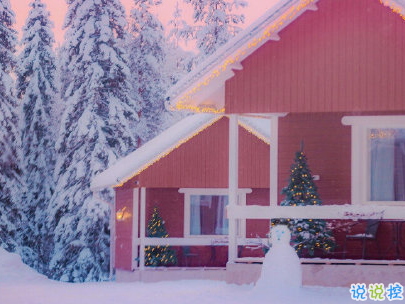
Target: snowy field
x=20, y=284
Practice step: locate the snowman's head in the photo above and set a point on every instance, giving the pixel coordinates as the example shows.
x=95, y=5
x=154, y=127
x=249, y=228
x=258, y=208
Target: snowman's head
x=280, y=234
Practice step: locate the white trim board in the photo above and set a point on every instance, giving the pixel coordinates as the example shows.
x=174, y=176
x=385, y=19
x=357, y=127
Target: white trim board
x=135, y=229
x=142, y=234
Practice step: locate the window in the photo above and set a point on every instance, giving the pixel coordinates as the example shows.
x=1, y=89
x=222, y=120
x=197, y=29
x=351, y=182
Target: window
x=387, y=164
x=378, y=159
x=207, y=215
x=205, y=212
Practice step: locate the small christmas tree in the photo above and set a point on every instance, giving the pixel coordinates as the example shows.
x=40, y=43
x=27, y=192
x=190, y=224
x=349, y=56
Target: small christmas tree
x=302, y=191
x=158, y=255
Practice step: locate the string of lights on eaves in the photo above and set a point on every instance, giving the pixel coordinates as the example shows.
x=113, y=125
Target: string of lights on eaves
x=168, y=151
x=394, y=7
x=183, y=103
x=254, y=132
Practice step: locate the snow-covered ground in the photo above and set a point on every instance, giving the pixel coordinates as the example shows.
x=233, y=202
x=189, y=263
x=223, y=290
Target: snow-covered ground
x=20, y=284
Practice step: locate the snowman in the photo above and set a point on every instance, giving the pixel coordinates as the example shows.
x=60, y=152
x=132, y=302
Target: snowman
x=281, y=266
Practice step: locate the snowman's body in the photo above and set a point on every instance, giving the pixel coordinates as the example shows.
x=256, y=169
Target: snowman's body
x=281, y=266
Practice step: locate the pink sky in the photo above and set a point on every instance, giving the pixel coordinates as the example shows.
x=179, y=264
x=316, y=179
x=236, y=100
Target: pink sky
x=58, y=9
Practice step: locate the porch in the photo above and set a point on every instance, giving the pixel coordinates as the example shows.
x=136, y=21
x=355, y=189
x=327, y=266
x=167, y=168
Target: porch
x=208, y=257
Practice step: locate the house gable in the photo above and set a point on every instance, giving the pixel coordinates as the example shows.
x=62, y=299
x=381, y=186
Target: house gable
x=202, y=162
x=346, y=56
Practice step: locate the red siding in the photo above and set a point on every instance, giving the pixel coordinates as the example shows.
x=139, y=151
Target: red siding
x=346, y=56
x=123, y=243
x=255, y=228
x=170, y=204
x=202, y=162
x=327, y=144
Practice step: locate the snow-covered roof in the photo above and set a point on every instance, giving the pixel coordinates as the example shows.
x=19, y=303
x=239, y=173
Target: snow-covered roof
x=257, y=126
x=137, y=161
x=203, y=90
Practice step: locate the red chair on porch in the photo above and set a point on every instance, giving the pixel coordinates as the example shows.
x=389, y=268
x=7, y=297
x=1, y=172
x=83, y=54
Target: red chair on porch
x=369, y=234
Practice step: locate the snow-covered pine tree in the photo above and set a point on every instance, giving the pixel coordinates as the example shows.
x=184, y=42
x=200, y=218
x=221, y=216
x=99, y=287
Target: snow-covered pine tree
x=214, y=24
x=64, y=72
x=176, y=23
x=37, y=89
x=179, y=62
x=96, y=130
x=307, y=234
x=148, y=50
x=10, y=173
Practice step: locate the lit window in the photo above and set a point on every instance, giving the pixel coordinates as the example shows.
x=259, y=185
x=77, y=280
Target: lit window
x=387, y=164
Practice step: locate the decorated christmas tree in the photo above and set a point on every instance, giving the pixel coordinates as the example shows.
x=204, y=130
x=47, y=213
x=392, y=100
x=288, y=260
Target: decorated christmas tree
x=158, y=255
x=307, y=234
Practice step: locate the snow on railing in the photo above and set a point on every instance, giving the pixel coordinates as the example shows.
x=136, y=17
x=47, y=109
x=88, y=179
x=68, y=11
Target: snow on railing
x=350, y=212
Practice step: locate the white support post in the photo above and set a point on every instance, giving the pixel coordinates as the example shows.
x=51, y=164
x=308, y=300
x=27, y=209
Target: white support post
x=142, y=230
x=135, y=222
x=273, y=160
x=233, y=184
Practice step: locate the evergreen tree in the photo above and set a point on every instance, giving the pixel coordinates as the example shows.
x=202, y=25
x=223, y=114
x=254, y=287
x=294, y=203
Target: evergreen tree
x=10, y=173
x=158, y=255
x=36, y=87
x=301, y=191
x=214, y=24
x=179, y=62
x=96, y=130
x=148, y=49
x=176, y=23
x=65, y=74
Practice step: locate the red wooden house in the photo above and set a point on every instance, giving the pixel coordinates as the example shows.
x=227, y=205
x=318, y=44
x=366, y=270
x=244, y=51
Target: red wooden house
x=330, y=73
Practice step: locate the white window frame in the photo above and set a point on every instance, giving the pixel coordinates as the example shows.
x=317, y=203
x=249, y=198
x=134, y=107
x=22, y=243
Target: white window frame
x=241, y=229
x=360, y=177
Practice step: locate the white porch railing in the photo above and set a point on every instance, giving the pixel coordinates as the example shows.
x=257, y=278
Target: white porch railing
x=190, y=241
x=194, y=241
x=350, y=212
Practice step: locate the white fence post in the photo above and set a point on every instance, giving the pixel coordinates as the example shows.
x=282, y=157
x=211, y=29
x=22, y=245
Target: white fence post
x=233, y=183
x=142, y=230
x=135, y=222
x=273, y=160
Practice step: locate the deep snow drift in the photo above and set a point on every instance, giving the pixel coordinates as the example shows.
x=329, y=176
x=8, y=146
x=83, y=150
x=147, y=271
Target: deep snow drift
x=22, y=285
